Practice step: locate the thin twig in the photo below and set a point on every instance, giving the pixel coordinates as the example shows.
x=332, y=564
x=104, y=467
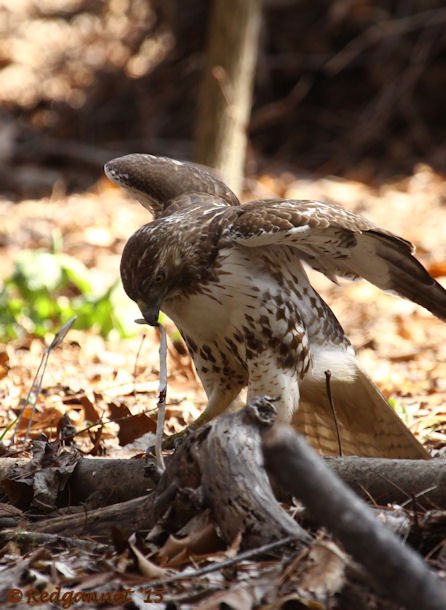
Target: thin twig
x=36, y=384
x=420, y=494
x=215, y=567
x=104, y=422
x=138, y=353
x=30, y=396
x=162, y=398
x=333, y=410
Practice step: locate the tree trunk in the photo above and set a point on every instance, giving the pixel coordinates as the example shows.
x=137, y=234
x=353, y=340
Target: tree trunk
x=226, y=92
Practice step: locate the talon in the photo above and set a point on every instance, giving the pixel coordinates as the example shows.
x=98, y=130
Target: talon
x=174, y=440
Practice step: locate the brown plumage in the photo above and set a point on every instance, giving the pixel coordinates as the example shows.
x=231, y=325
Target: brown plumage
x=231, y=278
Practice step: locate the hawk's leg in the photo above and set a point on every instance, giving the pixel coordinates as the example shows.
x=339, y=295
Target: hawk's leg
x=266, y=378
x=221, y=390
x=218, y=401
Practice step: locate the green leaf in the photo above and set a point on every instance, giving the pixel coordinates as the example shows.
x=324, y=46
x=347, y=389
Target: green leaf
x=37, y=271
x=76, y=272
x=37, y=297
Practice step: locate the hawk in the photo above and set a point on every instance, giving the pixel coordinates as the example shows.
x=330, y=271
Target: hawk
x=231, y=278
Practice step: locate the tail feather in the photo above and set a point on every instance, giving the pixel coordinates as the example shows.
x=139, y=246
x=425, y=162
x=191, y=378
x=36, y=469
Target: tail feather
x=367, y=424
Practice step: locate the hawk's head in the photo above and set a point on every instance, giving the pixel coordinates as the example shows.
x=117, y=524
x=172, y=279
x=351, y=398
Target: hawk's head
x=163, y=260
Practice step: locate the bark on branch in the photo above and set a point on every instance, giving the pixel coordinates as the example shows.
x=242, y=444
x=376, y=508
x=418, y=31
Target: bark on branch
x=219, y=467
x=399, y=572
x=235, y=482
x=105, y=481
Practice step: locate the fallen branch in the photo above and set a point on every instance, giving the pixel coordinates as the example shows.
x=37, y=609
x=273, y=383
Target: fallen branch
x=104, y=481
x=219, y=467
x=235, y=482
x=386, y=481
x=36, y=539
x=399, y=572
x=127, y=516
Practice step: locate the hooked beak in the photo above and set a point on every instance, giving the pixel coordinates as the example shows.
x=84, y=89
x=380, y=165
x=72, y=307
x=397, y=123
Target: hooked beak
x=150, y=314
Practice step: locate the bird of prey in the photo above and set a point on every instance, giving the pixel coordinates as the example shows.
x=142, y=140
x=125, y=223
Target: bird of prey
x=231, y=278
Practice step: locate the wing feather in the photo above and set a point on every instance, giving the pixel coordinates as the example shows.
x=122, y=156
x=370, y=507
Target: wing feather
x=339, y=244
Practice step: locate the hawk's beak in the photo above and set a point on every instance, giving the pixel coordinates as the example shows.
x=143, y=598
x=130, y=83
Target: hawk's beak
x=150, y=314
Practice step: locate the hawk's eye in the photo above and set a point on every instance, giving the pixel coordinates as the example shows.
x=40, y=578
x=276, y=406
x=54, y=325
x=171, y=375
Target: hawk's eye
x=160, y=277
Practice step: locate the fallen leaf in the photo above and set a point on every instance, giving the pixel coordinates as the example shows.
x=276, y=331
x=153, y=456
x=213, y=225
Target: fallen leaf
x=237, y=598
x=437, y=269
x=130, y=426
x=178, y=550
x=147, y=567
x=4, y=363
x=324, y=572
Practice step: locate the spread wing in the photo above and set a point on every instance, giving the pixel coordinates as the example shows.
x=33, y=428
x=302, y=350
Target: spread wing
x=157, y=181
x=339, y=244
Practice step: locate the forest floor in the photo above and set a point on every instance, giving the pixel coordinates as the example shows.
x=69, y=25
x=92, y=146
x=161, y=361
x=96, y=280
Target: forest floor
x=94, y=380
x=402, y=346
x=81, y=78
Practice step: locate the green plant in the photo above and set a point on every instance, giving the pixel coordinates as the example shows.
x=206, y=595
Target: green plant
x=400, y=409
x=48, y=288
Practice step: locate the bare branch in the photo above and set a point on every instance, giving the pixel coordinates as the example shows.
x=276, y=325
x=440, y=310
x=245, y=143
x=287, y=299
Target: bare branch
x=398, y=570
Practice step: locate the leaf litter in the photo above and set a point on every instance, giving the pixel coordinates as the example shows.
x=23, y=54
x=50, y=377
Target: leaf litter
x=109, y=390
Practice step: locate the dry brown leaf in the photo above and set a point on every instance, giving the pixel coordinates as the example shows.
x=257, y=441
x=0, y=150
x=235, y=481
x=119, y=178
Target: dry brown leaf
x=4, y=363
x=147, y=567
x=323, y=572
x=437, y=269
x=88, y=404
x=130, y=426
x=178, y=550
x=237, y=598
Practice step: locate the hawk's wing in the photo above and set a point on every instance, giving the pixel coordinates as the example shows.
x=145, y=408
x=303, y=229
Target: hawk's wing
x=157, y=181
x=339, y=243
